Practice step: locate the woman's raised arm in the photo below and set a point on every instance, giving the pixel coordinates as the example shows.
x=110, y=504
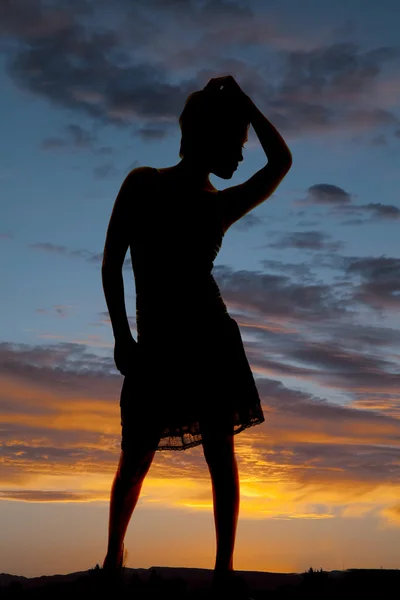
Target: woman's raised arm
x=238, y=200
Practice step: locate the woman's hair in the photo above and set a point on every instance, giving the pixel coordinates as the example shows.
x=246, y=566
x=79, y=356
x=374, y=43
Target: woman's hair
x=207, y=115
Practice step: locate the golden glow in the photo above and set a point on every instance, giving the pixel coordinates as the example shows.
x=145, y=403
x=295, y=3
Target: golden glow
x=63, y=448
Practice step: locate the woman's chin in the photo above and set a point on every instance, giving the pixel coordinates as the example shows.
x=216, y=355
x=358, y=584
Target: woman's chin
x=225, y=172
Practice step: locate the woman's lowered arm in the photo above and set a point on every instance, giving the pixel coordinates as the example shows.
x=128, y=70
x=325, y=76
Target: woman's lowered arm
x=116, y=246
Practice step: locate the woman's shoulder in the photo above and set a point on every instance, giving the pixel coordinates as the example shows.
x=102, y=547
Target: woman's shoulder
x=141, y=173
x=140, y=179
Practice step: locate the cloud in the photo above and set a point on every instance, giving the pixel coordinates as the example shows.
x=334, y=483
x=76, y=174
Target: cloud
x=59, y=310
x=332, y=464
x=306, y=240
x=104, y=171
x=332, y=365
x=380, y=281
x=248, y=222
x=353, y=363
x=60, y=427
x=300, y=270
x=322, y=88
x=340, y=203
x=85, y=70
x=47, y=362
x=363, y=337
x=48, y=247
x=282, y=303
x=318, y=340
x=383, y=211
x=326, y=193
x=338, y=71
x=44, y=496
x=379, y=140
x=392, y=513
x=95, y=258
x=116, y=66
x=59, y=402
x=80, y=137
x=76, y=137
x=30, y=19
x=151, y=133
x=360, y=214
x=87, y=255
x=276, y=296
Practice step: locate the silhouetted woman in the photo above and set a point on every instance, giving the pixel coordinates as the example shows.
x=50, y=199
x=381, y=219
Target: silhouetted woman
x=187, y=380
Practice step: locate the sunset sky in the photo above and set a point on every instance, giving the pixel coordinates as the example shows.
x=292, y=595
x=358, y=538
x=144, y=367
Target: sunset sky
x=91, y=89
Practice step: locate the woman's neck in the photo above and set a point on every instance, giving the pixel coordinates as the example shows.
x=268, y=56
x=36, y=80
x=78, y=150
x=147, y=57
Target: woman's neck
x=193, y=172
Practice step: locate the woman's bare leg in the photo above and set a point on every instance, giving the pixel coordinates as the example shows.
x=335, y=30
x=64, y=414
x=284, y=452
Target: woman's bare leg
x=220, y=457
x=132, y=469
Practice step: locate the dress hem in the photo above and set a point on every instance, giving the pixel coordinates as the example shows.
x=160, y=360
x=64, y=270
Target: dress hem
x=199, y=441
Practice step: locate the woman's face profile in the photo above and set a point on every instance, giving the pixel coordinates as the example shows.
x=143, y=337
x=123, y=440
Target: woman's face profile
x=225, y=152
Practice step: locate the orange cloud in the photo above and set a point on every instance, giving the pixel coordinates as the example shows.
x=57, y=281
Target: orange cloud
x=311, y=459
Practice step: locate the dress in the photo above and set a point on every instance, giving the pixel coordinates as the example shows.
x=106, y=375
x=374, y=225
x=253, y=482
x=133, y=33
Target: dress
x=191, y=372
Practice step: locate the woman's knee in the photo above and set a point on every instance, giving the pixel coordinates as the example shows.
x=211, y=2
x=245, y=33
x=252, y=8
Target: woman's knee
x=134, y=465
x=137, y=451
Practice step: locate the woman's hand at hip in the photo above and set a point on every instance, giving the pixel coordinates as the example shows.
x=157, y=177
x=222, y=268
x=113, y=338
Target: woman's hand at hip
x=126, y=355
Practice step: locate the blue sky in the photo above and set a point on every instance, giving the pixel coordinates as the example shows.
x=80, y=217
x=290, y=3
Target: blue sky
x=89, y=91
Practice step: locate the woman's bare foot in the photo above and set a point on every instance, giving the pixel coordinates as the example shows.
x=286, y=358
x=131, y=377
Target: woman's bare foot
x=115, y=562
x=231, y=584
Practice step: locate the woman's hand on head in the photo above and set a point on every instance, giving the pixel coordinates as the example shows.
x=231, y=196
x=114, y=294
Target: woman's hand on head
x=228, y=84
x=225, y=83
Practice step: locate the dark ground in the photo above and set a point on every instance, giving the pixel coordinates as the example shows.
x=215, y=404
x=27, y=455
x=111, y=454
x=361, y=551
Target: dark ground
x=194, y=584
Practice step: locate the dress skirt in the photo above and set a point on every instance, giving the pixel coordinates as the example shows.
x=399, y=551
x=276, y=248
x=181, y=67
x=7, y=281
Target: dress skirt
x=184, y=382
